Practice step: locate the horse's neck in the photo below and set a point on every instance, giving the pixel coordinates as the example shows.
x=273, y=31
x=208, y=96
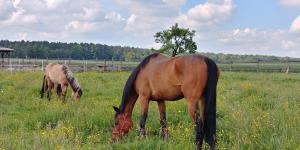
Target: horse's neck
x=130, y=104
x=74, y=85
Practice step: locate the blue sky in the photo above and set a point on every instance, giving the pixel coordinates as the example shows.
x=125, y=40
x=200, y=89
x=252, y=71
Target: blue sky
x=269, y=27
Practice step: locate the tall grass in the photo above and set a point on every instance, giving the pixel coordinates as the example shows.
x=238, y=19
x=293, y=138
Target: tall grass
x=254, y=111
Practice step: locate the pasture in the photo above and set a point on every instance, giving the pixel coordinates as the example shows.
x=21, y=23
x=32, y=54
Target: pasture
x=254, y=111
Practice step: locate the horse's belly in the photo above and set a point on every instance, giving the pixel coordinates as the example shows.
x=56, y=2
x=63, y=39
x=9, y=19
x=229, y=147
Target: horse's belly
x=171, y=93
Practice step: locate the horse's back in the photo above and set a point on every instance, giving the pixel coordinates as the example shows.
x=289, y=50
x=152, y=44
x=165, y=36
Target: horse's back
x=55, y=73
x=167, y=78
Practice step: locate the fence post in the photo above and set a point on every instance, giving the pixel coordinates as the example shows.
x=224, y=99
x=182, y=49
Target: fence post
x=112, y=63
x=42, y=64
x=10, y=66
x=83, y=65
x=35, y=61
x=287, y=70
x=230, y=69
x=257, y=68
x=120, y=66
x=288, y=67
x=104, y=68
x=19, y=63
x=86, y=66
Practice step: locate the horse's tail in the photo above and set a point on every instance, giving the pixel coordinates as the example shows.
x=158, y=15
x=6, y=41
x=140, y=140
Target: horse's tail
x=210, y=101
x=44, y=87
x=71, y=79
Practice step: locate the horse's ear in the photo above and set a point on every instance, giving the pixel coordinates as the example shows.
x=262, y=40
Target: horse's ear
x=116, y=109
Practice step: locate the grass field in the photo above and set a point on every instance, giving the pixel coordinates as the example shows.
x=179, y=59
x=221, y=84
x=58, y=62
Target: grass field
x=254, y=111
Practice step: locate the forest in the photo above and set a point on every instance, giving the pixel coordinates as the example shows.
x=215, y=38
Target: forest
x=78, y=51
x=86, y=51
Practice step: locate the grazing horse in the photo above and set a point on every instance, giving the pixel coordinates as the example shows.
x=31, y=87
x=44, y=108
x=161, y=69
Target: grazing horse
x=159, y=78
x=57, y=77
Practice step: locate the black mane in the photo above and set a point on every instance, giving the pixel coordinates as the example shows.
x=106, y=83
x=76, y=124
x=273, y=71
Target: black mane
x=71, y=79
x=129, y=86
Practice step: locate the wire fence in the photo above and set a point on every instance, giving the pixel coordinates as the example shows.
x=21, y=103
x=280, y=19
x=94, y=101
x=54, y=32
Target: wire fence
x=15, y=64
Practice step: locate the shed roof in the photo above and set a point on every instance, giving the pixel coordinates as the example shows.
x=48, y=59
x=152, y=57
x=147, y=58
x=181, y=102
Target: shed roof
x=4, y=49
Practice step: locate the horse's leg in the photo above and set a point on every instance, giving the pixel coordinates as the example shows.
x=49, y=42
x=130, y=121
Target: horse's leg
x=163, y=120
x=144, y=113
x=50, y=87
x=200, y=124
x=58, y=90
x=48, y=94
x=194, y=113
x=64, y=91
x=55, y=89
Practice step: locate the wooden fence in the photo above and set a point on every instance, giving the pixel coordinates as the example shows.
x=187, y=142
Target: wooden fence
x=113, y=65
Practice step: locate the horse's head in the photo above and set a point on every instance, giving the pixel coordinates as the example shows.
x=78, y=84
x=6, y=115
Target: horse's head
x=77, y=95
x=123, y=124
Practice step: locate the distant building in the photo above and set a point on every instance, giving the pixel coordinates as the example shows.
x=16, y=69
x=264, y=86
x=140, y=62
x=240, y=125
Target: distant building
x=5, y=51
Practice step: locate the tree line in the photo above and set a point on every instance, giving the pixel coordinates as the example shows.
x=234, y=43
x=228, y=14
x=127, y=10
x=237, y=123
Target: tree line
x=79, y=51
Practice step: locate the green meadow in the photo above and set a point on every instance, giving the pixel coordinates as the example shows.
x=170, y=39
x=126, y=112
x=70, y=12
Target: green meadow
x=254, y=111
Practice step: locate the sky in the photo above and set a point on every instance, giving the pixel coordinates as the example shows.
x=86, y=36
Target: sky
x=268, y=27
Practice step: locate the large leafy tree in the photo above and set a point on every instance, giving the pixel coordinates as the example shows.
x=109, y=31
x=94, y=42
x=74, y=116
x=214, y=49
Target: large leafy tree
x=176, y=40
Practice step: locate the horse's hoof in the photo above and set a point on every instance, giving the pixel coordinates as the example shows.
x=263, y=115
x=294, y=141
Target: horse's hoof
x=142, y=133
x=165, y=134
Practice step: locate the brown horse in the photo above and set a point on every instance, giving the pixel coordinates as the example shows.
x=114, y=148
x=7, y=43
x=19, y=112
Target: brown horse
x=57, y=78
x=159, y=78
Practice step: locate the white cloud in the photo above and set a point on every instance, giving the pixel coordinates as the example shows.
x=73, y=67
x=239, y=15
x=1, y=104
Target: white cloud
x=147, y=17
x=52, y=4
x=207, y=14
x=292, y=3
x=19, y=18
x=89, y=13
x=113, y=16
x=6, y=8
x=77, y=26
x=22, y=35
x=174, y=3
x=295, y=26
x=286, y=44
x=130, y=23
x=55, y=18
x=249, y=41
x=134, y=22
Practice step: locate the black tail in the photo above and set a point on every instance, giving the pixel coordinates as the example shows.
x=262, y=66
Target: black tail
x=210, y=101
x=44, y=87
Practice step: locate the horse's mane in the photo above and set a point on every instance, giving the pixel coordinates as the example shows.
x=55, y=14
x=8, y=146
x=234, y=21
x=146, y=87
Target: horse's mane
x=71, y=79
x=129, y=86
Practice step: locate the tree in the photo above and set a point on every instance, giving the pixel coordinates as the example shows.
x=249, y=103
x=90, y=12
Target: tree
x=176, y=40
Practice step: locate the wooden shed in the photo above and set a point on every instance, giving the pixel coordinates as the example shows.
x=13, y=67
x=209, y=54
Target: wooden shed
x=5, y=51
